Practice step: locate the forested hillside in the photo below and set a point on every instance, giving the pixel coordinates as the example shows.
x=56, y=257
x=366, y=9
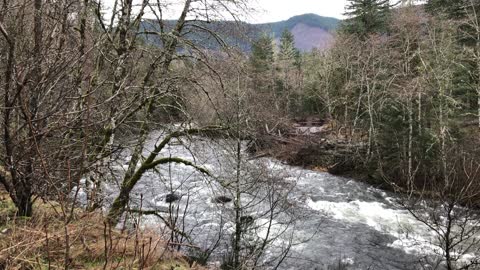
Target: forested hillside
x=319, y=34
x=313, y=20
x=400, y=91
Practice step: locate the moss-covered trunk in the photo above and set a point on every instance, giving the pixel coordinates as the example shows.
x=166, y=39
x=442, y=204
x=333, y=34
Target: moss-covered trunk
x=119, y=205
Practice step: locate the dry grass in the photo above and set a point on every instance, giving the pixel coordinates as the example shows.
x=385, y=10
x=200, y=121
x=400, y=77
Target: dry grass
x=40, y=242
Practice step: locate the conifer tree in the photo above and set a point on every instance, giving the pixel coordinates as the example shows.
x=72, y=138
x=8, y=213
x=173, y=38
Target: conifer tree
x=366, y=17
x=262, y=63
x=262, y=54
x=452, y=8
x=288, y=52
x=465, y=16
x=288, y=65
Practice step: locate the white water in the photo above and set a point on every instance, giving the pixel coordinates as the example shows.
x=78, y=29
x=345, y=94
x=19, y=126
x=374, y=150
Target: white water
x=343, y=220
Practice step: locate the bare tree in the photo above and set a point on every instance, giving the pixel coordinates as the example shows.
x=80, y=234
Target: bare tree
x=445, y=201
x=39, y=93
x=156, y=82
x=449, y=212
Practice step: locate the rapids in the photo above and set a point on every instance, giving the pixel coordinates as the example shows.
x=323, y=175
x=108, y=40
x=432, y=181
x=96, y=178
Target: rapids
x=339, y=223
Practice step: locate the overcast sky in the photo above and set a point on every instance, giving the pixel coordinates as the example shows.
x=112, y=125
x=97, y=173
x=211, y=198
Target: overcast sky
x=276, y=10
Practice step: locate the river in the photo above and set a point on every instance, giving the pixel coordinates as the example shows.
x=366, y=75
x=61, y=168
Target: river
x=331, y=220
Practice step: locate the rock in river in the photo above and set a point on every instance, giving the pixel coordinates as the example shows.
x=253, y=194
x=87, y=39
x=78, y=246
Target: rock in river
x=222, y=199
x=172, y=197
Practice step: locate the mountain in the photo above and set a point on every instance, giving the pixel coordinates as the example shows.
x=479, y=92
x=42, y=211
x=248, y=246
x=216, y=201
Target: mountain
x=310, y=31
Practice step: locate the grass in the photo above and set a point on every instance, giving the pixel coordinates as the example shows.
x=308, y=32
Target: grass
x=40, y=242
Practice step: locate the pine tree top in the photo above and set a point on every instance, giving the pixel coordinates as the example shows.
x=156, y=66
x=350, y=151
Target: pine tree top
x=366, y=17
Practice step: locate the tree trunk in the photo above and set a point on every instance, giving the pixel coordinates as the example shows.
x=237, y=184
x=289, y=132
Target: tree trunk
x=24, y=202
x=478, y=101
x=443, y=135
x=118, y=207
x=477, y=56
x=410, y=143
x=448, y=240
x=371, y=130
x=5, y=173
x=133, y=176
x=238, y=193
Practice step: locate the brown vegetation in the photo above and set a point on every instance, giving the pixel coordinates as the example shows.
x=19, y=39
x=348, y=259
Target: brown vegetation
x=39, y=242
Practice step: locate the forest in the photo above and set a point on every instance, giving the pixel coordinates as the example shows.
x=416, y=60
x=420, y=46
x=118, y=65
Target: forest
x=134, y=140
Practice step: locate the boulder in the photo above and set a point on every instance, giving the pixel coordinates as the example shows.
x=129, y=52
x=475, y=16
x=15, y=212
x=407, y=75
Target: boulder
x=172, y=197
x=246, y=220
x=222, y=199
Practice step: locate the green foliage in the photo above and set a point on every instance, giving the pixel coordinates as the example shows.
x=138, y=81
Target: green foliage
x=366, y=17
x=453, y=8
x=465, y=13
x=227, y=30
x=313, y=20
x=288, y=64
x=262, y=56
x=405, y=97
x=262, y=63
x=276, y=73
x=324, y=78
x=464, y=81
x=393, y=130
x=288, y=52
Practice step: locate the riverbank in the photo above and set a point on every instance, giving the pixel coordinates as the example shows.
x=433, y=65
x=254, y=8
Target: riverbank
x=322, y=151
x=52, y=239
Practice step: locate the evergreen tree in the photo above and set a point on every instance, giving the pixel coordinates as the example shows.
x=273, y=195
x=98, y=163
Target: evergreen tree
x=288, y=66
x=262, y=54
x=288, y=52
x=366, y=17
x=464, y=15
x=452, y=8
x=262, y=63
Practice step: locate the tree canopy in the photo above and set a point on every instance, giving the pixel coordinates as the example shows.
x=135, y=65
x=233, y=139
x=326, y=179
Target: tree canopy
x=366, y=17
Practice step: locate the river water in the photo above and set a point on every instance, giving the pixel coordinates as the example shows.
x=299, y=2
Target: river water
x=330, y=220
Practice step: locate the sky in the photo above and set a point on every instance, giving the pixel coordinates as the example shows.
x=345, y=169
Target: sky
x=278, y=10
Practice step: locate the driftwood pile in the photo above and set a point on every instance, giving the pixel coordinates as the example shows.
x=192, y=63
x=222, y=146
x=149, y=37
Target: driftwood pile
x=320, y=149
